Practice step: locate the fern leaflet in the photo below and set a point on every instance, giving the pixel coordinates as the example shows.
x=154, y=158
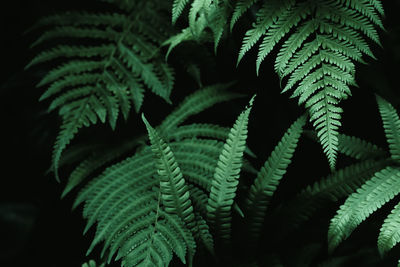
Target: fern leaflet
x=226, y=177
x=269, y=176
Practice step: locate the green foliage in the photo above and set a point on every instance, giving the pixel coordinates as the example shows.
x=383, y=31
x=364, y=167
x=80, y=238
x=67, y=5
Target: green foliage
x=107, y=76
x=173, y=193
x=373, y=194
x=144, y=199
x=269, y=176
x=226, y=177
x=327, y=38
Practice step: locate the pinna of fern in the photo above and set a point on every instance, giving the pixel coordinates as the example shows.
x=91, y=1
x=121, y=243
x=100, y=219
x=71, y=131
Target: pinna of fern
x=382, y=186
x=268, y=179
x=103, y=65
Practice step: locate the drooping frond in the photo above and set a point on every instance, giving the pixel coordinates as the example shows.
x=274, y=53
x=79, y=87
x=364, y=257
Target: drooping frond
x=318, y=57
x=374, y=193
x=197, y=102
x=108, y=75
x=389, y=234
x=391, y=124
x=174, y=192
x=269, y=176
x=226, y=177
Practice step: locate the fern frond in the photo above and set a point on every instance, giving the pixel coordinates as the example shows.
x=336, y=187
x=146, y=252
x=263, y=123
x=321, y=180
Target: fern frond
x=318, y=58
x=107, y=76
x=381, y=188
x=391, y=124
x=226, y=177
x=389, y=234
x=269, y=176
x=141, y=231
x=174, y=191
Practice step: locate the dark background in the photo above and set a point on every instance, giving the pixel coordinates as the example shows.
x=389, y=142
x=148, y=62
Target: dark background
x=38, y=229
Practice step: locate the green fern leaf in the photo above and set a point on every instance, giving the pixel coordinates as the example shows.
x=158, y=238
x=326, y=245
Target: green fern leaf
x=174, y=191
x=391, y=124
x=318, y=58
x=389, y=234
x=270, y=175
x=226, y=177
x=382, y=187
